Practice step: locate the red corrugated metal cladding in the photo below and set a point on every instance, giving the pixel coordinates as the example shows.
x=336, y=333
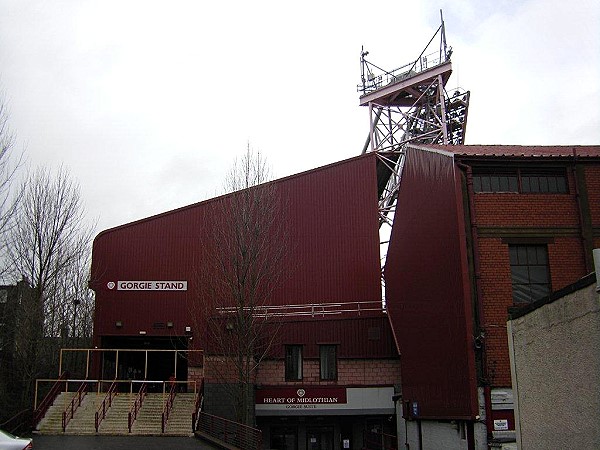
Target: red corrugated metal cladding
x=333, y=253
x=427, y=289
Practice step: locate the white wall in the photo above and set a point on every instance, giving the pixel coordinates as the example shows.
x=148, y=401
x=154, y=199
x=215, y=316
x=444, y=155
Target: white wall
x=555, y=363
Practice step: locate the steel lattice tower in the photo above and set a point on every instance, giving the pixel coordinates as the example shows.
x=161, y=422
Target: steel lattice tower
x=410, y=104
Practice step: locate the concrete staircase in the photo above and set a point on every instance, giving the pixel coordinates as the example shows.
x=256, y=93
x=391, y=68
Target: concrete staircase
x=115, y=422
x=149, y=418
x=52, y=421
x=84, y=418
x=180, y=419
x=148, y=422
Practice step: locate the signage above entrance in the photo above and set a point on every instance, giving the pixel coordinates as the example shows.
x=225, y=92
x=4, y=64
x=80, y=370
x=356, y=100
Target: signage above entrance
x=323, y=400
x=309, y=395
x=148, y=285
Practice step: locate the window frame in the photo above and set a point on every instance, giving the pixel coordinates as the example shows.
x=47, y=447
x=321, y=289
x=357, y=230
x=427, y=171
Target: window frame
x=529, y=261
x=328, y=364
x=519, y=180
x=293, y=372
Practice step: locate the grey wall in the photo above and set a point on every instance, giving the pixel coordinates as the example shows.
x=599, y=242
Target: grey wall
x=555, y=363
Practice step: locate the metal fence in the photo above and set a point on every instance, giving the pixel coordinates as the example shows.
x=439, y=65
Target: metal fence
x=221, y=430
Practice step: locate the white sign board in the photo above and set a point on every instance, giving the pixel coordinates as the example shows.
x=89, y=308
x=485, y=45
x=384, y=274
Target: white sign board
x=500, y=424
x=148, y=285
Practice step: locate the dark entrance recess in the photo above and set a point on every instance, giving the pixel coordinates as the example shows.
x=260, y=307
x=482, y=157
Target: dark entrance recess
x=131, y=365
x=319, y=438
x=284, y=438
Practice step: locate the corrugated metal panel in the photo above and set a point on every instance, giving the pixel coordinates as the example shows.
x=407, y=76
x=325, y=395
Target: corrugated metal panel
x=356, y=337
x=427, y=289
x=534, y=151
x=333, y=252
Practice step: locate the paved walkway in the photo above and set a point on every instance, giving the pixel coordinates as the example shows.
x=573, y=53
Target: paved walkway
x=118, y=443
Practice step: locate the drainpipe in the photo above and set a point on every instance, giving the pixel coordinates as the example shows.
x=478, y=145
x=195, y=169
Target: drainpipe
x=585, y=226
x=480, y=329
x=596, y=252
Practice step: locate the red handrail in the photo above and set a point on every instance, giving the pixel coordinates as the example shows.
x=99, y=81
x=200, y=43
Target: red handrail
x=75, y=403
x=136, y=406
x=198, y=406
x=112, y=390
x=168, y=406
x=40, y=412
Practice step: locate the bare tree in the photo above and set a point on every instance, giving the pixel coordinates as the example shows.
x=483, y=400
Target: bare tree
x=48, y=241
x=242, y=267
x=8, y=169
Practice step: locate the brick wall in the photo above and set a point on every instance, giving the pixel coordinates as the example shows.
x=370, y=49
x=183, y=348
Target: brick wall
x=359, y=372
x=592, y=181
x=554, y=216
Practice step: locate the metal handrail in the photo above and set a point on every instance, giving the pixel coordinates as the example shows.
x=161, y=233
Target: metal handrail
x=313, y=309
x=198, y=406
x=168, y=406
x=229, y=432
x=73, y=405
x=40, y=411
x=133, y=412
x=112, y=390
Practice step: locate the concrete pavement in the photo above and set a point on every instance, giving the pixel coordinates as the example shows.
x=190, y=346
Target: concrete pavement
x=118, y=443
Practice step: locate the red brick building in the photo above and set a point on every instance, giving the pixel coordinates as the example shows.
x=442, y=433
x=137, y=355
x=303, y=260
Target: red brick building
x=328, y=380
x=479, y=229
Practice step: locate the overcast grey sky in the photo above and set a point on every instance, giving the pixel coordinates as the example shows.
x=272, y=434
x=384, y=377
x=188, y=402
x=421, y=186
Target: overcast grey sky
x=147, y=103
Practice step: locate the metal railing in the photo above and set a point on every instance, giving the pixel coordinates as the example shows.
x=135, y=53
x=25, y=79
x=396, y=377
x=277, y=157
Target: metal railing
x=198, y=406
x=46, y=403
x=75, y=403
x=101, y=412
x=232, y=433
x=168, y=406
x=312, y=310
x=137, y=404
x=18, y=423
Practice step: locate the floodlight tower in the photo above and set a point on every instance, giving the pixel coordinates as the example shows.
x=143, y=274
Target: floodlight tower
x=410, y=104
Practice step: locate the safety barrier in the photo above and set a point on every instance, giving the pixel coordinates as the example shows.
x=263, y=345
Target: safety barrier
x=46, y=403
x=168, y=406
x=133, y=412
x=69, y=411
x=198, y=406
x=99, y=417
x=221, y=431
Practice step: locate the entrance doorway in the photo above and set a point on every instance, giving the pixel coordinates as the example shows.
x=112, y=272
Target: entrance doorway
x=284, y=438
x=144, y=358
x=319, y=438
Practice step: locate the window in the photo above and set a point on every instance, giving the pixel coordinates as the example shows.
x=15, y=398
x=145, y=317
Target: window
x=545, y=181
x=529, y=272
x=495, y=182
x=328, y=362
x=293, y=362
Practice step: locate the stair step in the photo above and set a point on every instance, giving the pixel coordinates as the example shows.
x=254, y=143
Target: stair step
x=149, y=419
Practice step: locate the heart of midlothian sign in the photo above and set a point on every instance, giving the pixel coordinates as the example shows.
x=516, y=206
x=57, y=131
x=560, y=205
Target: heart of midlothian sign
x=300, y=396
